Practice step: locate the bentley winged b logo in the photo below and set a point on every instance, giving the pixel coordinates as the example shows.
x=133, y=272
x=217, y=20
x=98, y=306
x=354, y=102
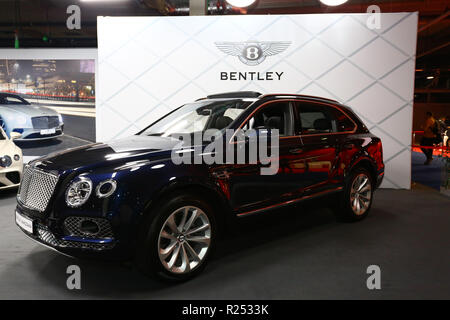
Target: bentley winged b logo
x=253, y=53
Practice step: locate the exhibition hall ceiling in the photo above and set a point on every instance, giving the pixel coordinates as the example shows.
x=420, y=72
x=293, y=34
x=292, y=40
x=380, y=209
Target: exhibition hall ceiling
x=42, y=23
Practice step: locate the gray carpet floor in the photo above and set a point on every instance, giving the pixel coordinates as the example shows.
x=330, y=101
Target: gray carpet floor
x=294, y=253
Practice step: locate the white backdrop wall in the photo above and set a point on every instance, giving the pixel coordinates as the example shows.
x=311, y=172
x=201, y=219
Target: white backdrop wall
x=150, y=65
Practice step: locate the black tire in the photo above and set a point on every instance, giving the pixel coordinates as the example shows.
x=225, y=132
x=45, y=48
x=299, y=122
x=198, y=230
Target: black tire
x=147, y=256
x=343, y=208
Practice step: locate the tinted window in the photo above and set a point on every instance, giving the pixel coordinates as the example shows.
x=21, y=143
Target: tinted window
x=197, y=117
x=343, y=122
x=276, y=115
x=316, y=119
x=11, y=99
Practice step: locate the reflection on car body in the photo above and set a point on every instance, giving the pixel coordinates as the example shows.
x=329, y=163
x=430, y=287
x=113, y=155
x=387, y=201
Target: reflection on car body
x=127, y=199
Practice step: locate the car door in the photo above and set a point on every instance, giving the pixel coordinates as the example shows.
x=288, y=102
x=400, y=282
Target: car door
x=320, y=151
x=249, y=189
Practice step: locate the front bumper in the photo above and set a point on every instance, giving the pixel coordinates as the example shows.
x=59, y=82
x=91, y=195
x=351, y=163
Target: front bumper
x=43, y=233
x=10, y=177
x=35, y=134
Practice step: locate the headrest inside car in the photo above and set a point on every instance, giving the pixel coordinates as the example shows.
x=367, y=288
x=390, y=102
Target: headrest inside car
x=223, y=122
x=322, y=124
x=273, y=123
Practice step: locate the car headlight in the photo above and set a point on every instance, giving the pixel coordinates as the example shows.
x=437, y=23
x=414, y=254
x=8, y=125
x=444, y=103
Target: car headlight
x=106, y=188
x=60, y=118
x=78, y=192
x=5, y=161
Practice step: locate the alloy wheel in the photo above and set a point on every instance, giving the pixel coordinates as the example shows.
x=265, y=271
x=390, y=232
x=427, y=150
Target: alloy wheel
x=360, y=194
x=184, y=240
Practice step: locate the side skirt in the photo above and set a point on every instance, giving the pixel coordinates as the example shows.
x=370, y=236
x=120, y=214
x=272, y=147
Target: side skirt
x=290, y=202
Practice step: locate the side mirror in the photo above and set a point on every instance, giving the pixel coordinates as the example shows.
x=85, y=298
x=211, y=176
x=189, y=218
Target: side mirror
x=15, y=135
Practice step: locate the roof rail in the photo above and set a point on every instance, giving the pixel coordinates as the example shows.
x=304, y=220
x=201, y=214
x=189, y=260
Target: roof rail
x=296, y=95
x=236, y=94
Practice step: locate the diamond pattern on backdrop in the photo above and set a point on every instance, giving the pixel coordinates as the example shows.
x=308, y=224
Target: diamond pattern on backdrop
x=151, y=65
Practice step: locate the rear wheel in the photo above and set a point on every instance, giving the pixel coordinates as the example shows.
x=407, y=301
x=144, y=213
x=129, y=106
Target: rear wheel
x=356, y=200
x=178, y=238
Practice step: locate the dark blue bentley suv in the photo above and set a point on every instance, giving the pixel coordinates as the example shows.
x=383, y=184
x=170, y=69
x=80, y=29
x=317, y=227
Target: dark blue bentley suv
x=129, y=199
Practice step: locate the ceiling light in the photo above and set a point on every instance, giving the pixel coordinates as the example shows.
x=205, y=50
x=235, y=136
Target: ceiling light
x=241, y=3
x=430, y=77
x=102, y=0
x=333, y=3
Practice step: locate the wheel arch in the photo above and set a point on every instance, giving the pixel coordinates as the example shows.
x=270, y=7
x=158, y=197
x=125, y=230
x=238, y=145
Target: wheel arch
x=204, y=191
x=367, y=164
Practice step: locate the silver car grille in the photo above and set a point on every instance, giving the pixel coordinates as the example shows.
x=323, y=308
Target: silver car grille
x=45, y=122
x=36, y=188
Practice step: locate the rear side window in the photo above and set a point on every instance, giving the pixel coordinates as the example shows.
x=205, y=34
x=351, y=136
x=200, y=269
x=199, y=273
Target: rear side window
x=320, y=119
x=316, y=119
x=343, y=122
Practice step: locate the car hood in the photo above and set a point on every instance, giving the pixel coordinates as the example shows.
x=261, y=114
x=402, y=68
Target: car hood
x=30, y=110
x=109, y=154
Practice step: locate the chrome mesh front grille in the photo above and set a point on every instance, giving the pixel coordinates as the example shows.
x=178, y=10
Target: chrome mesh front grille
x=46, y=236
x=45, y=122
x=73, y=228
x=36, y=188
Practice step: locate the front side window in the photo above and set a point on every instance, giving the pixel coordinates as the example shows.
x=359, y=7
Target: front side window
x=198, y=117
x=276, y=115
x=12, y=99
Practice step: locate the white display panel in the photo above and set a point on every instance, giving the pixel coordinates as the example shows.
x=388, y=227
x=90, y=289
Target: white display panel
x=150, y=65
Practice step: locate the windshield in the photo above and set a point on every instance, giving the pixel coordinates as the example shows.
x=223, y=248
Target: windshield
x=12, y=99
x=197, y=117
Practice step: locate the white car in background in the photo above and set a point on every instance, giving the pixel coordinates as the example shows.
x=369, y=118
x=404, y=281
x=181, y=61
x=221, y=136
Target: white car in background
x=11, y=161
x=33, y=122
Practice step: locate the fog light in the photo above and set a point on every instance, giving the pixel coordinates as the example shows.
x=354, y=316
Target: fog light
x=89, y=227
x=16, y=157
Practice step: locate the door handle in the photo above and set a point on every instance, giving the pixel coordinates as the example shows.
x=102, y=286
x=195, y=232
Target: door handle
x=296, y=151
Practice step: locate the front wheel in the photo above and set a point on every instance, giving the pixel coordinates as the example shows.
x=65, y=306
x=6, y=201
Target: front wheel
x=356, y=200
x=179, y=239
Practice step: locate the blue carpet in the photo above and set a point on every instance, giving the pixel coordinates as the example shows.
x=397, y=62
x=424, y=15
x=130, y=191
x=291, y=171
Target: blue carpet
x=427, y=175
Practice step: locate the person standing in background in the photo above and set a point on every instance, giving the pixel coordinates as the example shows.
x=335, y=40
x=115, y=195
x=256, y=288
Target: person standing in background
x=428, y=137
x=447, y=131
